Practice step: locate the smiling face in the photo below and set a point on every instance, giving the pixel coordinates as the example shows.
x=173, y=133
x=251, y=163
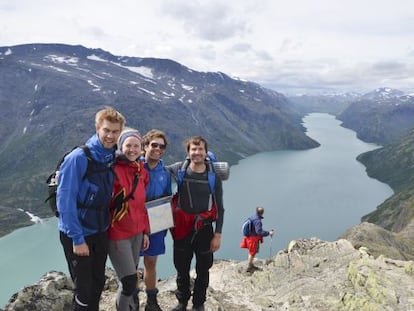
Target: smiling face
x=197, y=153
x=108, y=133
x=131, y=148
x=154, y=150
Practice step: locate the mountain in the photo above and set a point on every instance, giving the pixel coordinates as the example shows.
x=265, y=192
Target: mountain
x=381, y=116
x=382, y=94
x=49, y=94
x=328, y=103
x=394, y=165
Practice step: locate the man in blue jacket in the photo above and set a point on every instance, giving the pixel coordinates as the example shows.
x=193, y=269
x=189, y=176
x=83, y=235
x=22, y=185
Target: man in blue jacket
x=83, y=198
x=252, y=242
x=155, y=144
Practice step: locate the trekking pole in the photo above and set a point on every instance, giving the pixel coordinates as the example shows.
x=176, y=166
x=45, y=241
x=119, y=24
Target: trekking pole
x=271, y=242
x=270, y=248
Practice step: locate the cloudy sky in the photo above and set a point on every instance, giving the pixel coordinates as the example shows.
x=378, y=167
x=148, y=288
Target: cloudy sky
x=290, y=46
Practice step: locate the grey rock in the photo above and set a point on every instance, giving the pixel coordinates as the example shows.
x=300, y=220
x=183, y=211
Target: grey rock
x=309, y=274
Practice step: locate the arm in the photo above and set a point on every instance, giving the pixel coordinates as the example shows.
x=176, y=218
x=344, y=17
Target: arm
x=146, y=179
x=218, y=196
x=258, y=227
x=216, y=241
x=70, y=179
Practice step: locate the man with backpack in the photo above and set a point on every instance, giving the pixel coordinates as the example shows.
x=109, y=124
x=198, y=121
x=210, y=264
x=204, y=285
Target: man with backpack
x=253, y=235
x=83, y=199
x=198, y=203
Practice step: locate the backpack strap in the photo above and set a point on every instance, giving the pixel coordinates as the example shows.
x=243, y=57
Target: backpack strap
x=89, y=158
x=134, y=184
x=181, y=171
x=211, y=176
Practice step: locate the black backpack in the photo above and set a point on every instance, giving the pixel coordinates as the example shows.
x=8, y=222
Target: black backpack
x=52, y=180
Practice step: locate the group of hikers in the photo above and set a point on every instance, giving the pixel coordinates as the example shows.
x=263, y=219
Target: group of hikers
x=101, y=198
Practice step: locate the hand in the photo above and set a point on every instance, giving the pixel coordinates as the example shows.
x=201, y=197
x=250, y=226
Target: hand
x=271, y=232
x=145, y=242
x=81, y=249
x=215, y=242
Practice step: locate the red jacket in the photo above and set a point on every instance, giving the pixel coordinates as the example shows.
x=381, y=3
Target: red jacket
x=128, y=218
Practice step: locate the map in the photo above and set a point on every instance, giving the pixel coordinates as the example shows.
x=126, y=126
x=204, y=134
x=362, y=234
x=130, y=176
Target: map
x=160, y=214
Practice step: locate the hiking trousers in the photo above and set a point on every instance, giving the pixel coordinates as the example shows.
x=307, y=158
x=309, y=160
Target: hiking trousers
x=184, y=249
x=87, y=272
x=124, y=255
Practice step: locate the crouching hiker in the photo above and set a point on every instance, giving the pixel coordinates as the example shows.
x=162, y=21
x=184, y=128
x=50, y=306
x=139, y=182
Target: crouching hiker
x=253, y=235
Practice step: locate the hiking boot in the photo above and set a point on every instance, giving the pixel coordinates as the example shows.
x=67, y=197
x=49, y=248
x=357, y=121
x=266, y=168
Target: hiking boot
x=181, y=306
x=198, y=308
x=252, y=268
x=152, y=302
x=152, y=306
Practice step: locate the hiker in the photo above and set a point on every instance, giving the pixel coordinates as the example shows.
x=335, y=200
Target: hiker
x=83, y=207
x=198, y=206
x=129, y=227
x=255, y=237
x=154, y=144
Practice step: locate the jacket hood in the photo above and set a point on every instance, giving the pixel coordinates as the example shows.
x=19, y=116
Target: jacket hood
x=98, y=151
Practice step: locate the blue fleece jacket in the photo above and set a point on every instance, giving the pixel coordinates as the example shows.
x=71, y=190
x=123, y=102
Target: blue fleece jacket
x=160, y=181
x=94, y=192
x=258, y=226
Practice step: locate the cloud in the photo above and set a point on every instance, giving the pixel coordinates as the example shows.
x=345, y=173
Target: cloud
x=287, y=45
x=241, y=47
x=212, y=22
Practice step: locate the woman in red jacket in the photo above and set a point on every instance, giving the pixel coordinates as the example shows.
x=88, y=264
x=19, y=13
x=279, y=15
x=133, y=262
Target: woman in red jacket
x=129, y=229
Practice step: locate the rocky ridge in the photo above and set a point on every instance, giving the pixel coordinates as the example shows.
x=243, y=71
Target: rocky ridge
x=309, y=274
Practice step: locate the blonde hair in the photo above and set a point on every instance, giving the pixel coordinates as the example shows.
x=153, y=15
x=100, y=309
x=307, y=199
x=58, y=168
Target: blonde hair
x=111, y=115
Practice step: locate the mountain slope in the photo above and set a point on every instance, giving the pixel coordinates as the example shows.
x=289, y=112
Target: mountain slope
x=381, y=116
x=330, y=103
x=49, y=94
x=394, y=165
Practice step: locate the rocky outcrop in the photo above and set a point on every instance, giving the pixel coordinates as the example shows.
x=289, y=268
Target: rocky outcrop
x=309, y=275
x=380, y=241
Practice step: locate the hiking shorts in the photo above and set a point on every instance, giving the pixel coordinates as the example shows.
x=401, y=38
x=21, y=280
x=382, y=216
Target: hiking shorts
x=252, y=243
x=157, y=244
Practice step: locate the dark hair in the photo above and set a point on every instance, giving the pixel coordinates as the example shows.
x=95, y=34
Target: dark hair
x=195, y=140
x=154, y=133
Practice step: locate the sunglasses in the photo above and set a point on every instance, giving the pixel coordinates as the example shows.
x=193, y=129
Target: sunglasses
x=157, y=145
